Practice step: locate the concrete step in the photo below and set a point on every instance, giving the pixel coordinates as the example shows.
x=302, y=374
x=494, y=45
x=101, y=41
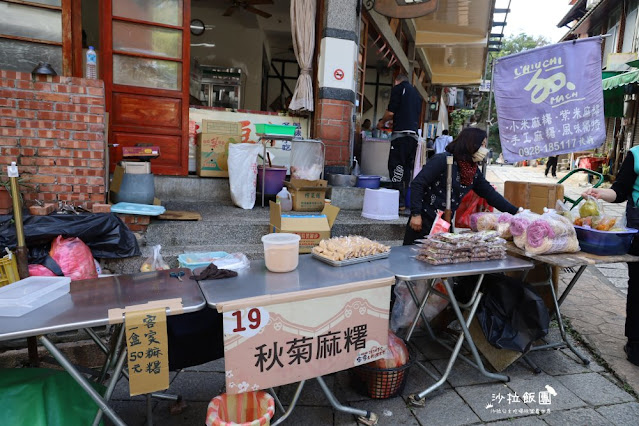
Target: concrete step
x=225, y=227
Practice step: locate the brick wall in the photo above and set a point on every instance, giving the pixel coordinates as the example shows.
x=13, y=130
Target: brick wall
x=53, y=128
x=333, y=127
x=136, y=223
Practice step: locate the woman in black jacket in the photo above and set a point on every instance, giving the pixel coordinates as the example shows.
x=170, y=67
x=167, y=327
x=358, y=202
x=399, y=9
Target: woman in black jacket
x=428, y=189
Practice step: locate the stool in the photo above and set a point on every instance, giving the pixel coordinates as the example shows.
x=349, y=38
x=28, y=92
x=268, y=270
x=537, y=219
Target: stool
x=381, y=204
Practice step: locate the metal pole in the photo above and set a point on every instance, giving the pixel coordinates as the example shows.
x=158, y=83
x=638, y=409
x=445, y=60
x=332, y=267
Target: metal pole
x=448, y=214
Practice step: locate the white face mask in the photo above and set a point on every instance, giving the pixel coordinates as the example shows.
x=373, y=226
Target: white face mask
x=479, y=156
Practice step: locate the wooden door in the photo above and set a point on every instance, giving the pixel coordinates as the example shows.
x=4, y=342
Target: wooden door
x=145, y=68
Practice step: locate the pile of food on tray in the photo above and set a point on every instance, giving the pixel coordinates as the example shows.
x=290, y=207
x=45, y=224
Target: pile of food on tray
x=351, y=247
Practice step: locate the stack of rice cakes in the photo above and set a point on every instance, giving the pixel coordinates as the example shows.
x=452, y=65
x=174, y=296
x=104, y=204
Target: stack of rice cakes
x=447, y=248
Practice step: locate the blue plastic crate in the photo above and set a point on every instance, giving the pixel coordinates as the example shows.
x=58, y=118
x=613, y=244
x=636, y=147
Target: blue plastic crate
x=198, y=260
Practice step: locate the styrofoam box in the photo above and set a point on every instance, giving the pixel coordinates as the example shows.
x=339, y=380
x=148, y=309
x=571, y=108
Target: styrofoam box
x=24, y=296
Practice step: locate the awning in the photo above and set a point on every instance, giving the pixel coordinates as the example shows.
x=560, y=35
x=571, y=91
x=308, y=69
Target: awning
x=620, y=80
x=613, y=97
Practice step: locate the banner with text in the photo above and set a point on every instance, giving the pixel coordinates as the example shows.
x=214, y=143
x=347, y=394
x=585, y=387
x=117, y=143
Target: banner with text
x=550, y=100
x=288, y=342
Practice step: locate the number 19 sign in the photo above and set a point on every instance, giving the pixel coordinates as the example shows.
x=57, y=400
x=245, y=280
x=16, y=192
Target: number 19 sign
x=287, y=342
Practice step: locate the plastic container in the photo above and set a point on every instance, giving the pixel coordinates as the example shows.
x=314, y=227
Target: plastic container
x=26, y=295
x=374, y=157
x=91, y=66
x=368, y=181
x=285, y=199
x=274, y=129
x=381, y=204
x=275, y=177
x=139, y=189
x=134, y=208
x=250, y=408
x=198, y=260
x=281, y=251
x=605, y=243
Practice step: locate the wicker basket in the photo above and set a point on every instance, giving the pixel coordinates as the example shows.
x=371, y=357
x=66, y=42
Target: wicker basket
x=380, y=383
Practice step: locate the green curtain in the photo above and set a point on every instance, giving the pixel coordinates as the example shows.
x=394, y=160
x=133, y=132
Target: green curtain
x=613, y=98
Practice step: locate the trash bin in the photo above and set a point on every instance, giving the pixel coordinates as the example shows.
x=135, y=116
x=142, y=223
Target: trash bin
x=247, y=409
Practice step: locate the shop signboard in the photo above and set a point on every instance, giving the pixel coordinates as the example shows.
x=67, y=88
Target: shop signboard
x=280, y=151
x=301, y=338
x=550, y=100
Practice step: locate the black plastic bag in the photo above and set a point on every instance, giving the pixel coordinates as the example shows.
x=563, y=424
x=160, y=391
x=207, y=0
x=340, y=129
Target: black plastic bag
x=511, y=313
x=105, y=234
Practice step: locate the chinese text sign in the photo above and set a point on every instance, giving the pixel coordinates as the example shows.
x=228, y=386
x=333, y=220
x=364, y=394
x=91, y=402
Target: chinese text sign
x=288, y=342
x=147, y=346
x=550, y=100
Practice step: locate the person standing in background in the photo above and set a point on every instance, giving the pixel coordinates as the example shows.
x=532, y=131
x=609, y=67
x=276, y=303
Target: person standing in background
x=442, y=141
x=552, y=163
x=626, y=188
x=404, y=108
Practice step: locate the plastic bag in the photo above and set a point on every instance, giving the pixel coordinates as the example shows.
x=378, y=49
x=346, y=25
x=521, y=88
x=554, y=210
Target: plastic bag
x=471, y=203
x=155, y=262
x=307, y=160
x=439, y=225
x=512, y=316
x=404, y=309
x=74, y=258
x=591, y=207
x=396, y=355
x=40, y=271
x=243, y=173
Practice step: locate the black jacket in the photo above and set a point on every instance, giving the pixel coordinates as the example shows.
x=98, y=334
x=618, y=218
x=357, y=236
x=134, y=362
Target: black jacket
x=428, y=189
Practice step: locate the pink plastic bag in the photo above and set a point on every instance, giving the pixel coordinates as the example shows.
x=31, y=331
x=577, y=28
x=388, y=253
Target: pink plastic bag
x=74, y=257
x=40, y=271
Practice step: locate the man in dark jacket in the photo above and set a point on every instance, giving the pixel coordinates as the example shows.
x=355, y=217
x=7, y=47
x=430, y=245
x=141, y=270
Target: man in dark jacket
x=404, y=108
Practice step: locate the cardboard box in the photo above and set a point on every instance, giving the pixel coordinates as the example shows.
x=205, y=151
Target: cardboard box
x=140, y=151
x=213, y=147
x=311, y=228
x=533, y=196
x=308, y=195
x=137, y=167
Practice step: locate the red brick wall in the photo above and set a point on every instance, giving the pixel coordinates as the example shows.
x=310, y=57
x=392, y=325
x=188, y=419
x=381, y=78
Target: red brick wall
x=54, y=129
x=332, y=121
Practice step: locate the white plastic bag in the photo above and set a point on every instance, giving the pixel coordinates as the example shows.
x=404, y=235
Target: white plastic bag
x=243, y=173
x=404, y=309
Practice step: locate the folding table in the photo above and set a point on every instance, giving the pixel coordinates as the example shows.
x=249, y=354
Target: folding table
x=311, y=275
x=567, y=261
x=87, y=305
x=406, y=268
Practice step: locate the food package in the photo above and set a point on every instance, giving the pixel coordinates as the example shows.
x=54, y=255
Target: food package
x=551, y=233
x=447, y=248
x=396, y=354
x=503, y=226
x=351, y=247
x=519, y=224
x=155, y=262
x=590, y=207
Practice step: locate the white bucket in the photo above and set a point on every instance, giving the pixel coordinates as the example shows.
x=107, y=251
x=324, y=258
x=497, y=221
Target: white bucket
x=281, y=251
x=381, y=204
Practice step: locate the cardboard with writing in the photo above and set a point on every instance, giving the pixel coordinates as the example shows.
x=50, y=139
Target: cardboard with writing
x=533, y=196
x=147, y=346
x=308, y=195
x=306, y=337
x=311, y=228
x=213, y=147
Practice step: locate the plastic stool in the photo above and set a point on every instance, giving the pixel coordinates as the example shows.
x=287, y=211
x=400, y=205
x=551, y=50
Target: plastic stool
x=381, y=204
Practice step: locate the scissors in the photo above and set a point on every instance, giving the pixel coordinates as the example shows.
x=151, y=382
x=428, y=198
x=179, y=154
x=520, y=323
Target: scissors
x=177, y=275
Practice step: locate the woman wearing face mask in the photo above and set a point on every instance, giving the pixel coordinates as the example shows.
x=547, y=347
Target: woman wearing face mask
x=428, y=189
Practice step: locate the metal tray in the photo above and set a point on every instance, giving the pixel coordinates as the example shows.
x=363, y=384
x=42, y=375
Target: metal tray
x=351, y=261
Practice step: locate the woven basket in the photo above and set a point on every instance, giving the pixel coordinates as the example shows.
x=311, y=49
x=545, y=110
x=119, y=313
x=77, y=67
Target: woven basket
x=380, y=383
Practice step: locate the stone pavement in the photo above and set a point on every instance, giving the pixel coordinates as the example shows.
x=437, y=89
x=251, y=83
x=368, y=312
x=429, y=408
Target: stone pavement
x=579, y=395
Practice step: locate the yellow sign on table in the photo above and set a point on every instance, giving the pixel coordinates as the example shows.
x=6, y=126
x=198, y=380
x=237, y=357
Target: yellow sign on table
x=147, y=345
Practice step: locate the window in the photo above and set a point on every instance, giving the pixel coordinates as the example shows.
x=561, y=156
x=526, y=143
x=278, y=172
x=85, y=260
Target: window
x=31, y=32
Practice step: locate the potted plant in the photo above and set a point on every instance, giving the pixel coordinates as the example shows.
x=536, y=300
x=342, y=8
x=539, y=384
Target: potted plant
x=6, y=203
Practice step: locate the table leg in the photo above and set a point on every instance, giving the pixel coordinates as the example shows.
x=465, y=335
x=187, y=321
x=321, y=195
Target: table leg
x=291, y=406
x=571, y=284
x=420, y=306
x=111, y=387
x=367, y=416
x=149, y=410
x=86, y=386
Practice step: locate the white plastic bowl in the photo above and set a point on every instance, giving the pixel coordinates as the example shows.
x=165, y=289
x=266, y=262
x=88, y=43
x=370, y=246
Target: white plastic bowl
x=281, y=251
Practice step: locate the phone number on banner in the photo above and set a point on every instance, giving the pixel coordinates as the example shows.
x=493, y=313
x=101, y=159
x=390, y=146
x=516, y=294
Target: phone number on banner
x=556, y=146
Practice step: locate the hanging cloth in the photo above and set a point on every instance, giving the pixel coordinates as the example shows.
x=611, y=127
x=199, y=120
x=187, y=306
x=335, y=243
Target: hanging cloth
x=303, y=33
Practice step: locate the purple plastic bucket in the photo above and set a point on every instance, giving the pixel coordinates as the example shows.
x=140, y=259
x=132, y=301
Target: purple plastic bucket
x=366, y=181
x=274, y=182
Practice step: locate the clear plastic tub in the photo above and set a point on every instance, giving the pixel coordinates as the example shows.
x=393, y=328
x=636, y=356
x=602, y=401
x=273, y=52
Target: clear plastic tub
x=605, y=243
x=24, y=296
x=281, y=252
